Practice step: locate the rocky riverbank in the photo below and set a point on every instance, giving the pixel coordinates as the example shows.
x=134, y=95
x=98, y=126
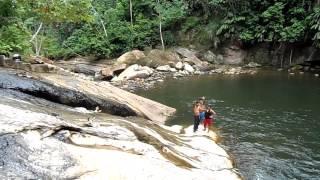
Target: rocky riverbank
x=136, y=69
x=51, y=128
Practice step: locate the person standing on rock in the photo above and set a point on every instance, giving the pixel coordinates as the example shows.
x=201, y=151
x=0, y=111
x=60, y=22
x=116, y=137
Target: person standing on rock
x=196, y=116
x=202, y=109
x=208, y=118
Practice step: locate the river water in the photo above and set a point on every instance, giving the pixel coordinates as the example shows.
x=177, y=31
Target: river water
x=269, y=122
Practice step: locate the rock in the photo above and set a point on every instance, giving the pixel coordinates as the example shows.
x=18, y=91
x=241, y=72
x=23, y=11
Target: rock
x=164, y=68
x=131, y=57
x=160, y=58
x=185, y=53
x=36, y=145
x=210, y=57
x=39, y=60
x=16, y=57
x=188, y=68
x=109, y=72
x=134, y=71
x=234, y=55
x=86, y=69
x=173, y=70
x=42, y=68
x=205, y=66
x=179, y=65
x=3, y=60
x=253, y=65
x=219, y=59
x=197, y=72
x=178, y=74
x=220, y=69
x=193, y=61
x=232, y=71
x=296, y=67
x=78, y=92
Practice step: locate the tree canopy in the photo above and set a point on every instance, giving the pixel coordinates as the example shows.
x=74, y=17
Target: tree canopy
x=107, y=28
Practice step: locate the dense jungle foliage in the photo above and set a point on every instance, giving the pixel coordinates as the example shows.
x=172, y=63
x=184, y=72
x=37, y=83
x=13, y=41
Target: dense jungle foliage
x=107, y=28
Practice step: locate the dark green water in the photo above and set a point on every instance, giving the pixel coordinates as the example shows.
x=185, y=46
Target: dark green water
x=270, y=122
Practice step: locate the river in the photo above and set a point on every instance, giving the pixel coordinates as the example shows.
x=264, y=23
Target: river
x=269, y=122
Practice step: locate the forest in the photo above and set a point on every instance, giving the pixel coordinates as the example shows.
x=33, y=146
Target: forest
x=107, y=28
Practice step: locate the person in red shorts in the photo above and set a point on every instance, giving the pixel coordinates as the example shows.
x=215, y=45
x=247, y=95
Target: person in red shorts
x=208, y=118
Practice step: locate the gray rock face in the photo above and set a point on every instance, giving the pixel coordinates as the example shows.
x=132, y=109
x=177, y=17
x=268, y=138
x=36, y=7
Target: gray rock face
x=37, y=144
x=234, y=55
x=74, y=91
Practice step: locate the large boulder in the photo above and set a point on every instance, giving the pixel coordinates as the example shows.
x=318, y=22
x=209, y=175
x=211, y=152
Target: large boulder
x=160, y=58
x=131, y=57
x=234, y=55
x=134, y=71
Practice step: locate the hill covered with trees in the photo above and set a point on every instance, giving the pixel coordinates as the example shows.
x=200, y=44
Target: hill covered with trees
x=107, y=28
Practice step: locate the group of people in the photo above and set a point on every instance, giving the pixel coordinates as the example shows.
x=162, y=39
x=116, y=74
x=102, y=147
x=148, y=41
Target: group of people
x=203, y=114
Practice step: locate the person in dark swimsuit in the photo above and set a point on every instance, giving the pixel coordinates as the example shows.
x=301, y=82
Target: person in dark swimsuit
x=208, y=118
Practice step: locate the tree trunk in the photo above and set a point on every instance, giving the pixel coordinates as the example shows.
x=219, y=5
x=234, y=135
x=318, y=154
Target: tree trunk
x=35, y=34
x=131, y=18
x=160, y=27
x=104, y=28
x=101, y=21
x=290, y=60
